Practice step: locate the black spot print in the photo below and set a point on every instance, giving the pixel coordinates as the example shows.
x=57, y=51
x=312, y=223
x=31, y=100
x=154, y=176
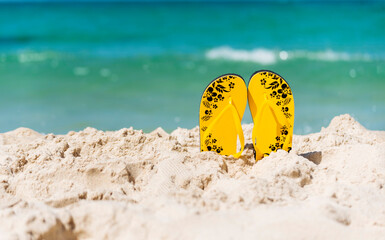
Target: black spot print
x=272, y=147
x=208, y=112
x=219, y=150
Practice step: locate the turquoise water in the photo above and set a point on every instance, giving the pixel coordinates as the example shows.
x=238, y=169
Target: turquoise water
x=68, y=66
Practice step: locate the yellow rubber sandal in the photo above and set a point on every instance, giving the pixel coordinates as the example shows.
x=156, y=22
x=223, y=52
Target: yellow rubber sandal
x=221, y=110
x=272, y=109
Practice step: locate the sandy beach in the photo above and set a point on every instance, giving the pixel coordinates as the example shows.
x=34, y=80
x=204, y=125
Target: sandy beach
x=130, y=185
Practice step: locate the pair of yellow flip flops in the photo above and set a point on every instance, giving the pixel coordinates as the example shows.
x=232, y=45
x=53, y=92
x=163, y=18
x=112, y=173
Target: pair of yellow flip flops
x=222, y=107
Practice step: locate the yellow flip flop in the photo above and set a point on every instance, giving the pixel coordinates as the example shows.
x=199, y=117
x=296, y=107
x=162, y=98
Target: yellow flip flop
x=221, y=110
x=272, y=109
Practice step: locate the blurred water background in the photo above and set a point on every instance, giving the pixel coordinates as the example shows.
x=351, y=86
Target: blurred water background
x=66, y=66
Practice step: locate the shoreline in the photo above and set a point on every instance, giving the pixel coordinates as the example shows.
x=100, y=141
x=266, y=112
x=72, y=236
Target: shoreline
x=120, y=184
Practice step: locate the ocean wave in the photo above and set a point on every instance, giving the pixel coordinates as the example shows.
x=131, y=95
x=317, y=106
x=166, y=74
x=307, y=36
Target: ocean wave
x=268, y=57
x=29, y=56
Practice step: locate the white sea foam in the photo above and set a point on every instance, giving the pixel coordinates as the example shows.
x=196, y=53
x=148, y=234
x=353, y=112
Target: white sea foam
x=268, y=57
x=262, y=56
x=30, y=56
x=81, y=71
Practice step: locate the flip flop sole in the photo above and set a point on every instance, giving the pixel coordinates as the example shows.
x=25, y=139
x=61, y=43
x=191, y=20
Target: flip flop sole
x=222, y=107
x=272, y=109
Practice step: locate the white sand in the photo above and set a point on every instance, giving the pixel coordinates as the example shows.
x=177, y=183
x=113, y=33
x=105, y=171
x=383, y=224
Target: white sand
x=130, y=185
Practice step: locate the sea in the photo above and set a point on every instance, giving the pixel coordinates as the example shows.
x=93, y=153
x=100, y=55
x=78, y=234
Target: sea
x=112, y=65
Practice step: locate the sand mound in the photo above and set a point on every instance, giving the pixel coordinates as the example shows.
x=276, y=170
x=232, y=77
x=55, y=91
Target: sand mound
x=127, y=184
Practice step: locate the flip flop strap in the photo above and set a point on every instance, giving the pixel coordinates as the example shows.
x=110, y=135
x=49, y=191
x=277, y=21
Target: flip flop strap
x=238, y=127
x=237, y=122
x=259, y=116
